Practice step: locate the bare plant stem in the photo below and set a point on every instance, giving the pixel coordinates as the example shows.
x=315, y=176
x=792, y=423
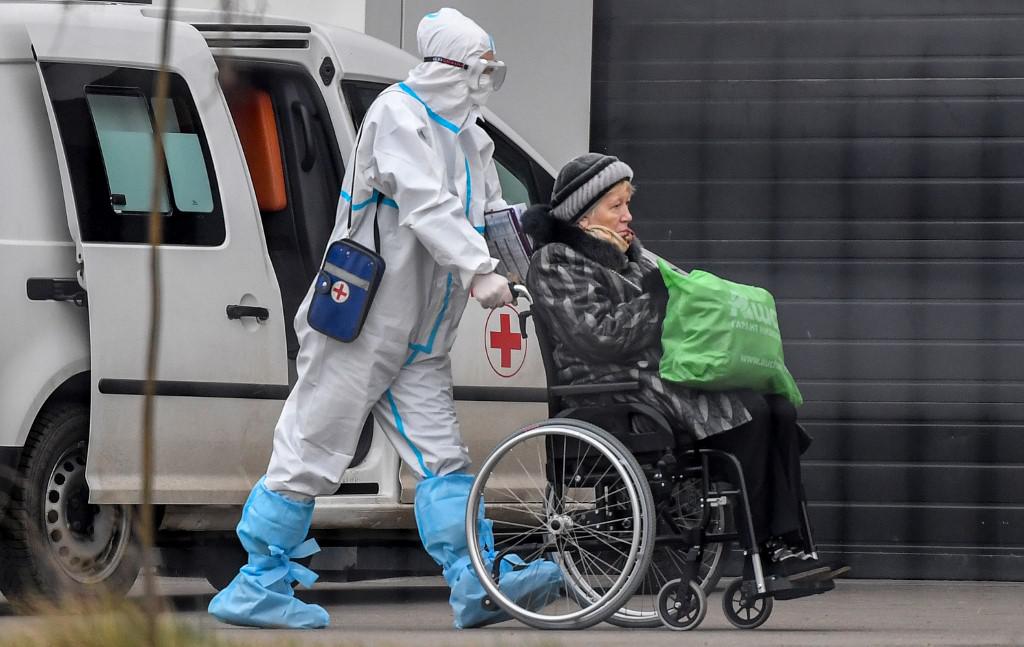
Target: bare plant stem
x=155, y=238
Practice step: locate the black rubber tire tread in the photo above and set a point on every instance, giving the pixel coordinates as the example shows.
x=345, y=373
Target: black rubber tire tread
x=28, y=575
x=672, y=623
x=633, y=467
x=733, y=617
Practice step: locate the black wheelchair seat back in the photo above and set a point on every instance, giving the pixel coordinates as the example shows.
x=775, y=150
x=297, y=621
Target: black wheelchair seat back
x=641, y=428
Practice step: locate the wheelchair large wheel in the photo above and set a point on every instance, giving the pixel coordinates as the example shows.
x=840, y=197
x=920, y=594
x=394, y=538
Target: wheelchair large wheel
x=641, y=611
x=570, y=492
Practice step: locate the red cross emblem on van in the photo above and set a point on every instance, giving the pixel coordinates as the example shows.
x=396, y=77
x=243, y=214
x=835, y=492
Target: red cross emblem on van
x=503, y=341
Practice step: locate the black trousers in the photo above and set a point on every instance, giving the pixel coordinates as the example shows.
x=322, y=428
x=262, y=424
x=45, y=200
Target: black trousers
x=768, y=449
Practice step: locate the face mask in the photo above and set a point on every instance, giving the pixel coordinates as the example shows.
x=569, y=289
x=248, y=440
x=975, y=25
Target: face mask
x=609, y=236
x=481, y=93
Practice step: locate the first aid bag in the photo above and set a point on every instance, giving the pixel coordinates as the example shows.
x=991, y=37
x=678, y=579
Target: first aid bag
x=345, y=287
x=721, y=335
x=348, y=278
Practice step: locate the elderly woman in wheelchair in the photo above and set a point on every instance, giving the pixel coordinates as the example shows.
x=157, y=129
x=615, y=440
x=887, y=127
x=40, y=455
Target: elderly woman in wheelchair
x=638, y=472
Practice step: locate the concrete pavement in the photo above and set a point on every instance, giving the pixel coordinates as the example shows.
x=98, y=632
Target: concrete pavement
x=858, y=612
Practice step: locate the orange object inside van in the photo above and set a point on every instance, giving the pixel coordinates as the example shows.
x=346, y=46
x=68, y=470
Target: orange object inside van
x=253, y=113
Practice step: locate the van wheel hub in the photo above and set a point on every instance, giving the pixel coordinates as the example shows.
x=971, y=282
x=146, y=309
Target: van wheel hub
x=86, y=540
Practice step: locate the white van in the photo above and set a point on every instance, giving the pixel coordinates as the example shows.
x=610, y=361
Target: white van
x=261, y=119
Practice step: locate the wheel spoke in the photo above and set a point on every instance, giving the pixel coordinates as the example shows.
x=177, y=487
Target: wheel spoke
x=595, y=573
x=608, y=495
x=603, y=474
x=598, y=523
x=505, y=522
x=585, y=502
x=595, y=557
x=529, y=508
x=562, y=473
x=509, y=541
x=598, y=536
x=579, y=464
x=530, y=475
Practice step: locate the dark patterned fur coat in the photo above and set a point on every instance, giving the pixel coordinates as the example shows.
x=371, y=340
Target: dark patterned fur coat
x=603, y=311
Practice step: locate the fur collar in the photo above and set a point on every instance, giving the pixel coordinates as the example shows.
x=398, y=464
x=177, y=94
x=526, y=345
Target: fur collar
x=544, y=229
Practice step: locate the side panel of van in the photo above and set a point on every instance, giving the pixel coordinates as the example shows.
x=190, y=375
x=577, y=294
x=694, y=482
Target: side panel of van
x=45, y=342
x=222, y=367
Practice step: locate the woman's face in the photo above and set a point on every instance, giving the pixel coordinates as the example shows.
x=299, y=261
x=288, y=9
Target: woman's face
x=612, y=211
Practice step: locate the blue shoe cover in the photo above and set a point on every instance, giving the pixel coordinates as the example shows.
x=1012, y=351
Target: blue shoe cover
x=533, y=587
x=441, y=517
x=271, y=530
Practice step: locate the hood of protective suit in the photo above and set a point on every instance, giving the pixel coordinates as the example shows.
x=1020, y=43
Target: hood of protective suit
x=445, y=88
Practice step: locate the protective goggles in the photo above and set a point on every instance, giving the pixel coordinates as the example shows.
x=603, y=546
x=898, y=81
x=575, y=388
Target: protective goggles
x=478, y=69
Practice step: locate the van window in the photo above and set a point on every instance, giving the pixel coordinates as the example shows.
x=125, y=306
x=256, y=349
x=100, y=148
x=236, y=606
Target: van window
x=190, y=184
x=522, y=179
x=125, y=134
x=513, y=190
x=359, y=95
x=106, y=118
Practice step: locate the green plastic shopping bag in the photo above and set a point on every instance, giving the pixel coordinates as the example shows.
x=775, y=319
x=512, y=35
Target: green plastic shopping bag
x=722, y=335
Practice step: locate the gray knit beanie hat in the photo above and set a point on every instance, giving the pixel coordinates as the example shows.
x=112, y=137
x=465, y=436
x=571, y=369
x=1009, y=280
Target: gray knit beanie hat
x=583, y=181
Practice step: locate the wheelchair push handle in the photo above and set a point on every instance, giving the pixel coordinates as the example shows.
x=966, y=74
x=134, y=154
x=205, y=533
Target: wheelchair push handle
x=519, y=291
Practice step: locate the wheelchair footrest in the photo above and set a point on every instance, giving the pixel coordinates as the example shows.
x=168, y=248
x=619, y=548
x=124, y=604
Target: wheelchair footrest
x=782, y=589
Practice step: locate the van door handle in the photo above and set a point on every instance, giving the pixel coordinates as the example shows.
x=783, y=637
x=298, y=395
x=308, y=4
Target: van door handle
x=308, y=149
x=44, y=289
x=237, y=312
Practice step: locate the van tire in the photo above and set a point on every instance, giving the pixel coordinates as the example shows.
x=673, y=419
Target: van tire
x=55, y=545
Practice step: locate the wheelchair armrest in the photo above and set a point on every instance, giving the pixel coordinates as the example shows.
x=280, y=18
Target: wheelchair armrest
x=590, y=389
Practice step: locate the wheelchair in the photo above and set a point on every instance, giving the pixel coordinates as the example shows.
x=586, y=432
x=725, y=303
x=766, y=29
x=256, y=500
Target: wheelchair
x=635, y=517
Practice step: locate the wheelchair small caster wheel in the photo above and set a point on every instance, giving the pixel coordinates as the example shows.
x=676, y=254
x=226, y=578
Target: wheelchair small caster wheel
x=682, y=613
x=742, y=610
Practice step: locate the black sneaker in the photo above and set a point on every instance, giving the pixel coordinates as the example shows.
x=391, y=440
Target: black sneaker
x=792, y=564
x=775, y=550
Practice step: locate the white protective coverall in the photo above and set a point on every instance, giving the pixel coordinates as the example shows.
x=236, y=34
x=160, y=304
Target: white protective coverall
x=423, y=168
x=422, y=152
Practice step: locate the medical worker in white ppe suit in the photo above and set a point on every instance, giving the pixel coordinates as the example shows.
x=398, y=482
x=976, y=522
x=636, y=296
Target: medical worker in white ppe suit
x=424, y=169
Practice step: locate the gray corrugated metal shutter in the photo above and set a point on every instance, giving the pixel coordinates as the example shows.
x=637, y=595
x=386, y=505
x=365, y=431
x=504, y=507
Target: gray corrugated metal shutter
x=865, y=162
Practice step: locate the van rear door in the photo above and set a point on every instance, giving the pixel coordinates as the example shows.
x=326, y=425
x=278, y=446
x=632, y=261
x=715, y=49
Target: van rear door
x=288, y=75
x=222, y=372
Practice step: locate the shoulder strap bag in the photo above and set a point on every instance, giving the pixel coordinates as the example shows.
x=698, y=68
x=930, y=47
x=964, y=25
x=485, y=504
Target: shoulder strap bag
x=348, y=280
